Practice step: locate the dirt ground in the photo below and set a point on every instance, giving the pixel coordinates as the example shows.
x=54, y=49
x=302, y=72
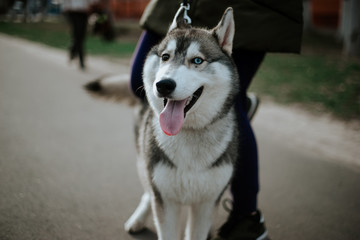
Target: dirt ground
x=68, y=170
x=320, y=134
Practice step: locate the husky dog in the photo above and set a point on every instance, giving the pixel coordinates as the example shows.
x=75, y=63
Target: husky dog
x=186, y=131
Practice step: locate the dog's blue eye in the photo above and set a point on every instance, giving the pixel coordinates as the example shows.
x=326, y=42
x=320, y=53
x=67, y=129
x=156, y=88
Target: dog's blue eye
x=197, y=60
x=165, y=57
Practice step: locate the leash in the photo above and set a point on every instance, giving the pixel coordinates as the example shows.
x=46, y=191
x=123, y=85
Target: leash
x=186, y=5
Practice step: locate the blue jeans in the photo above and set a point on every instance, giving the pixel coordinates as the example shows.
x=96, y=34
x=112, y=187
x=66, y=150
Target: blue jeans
x=245, y=181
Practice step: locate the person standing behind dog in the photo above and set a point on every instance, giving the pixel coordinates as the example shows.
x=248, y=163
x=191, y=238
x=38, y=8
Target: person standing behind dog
x=77, y=12
x=261, y=26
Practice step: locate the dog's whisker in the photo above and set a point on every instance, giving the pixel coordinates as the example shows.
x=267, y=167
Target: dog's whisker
x=140, y=90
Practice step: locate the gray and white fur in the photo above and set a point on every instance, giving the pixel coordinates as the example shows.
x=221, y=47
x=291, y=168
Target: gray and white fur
x=186, y=131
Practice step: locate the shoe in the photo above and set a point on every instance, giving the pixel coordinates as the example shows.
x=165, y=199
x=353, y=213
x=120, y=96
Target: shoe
x=252, y=103
x=250, y=227
x=244, y=228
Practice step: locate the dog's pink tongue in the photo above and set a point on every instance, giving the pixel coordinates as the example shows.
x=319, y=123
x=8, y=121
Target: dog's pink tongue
x=172, y=117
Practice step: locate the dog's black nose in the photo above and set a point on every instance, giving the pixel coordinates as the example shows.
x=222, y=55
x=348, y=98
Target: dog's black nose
x=165, y=86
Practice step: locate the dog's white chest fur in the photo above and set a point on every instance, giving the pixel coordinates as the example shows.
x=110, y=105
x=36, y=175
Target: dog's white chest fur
x=193, y=179
x=190, y=186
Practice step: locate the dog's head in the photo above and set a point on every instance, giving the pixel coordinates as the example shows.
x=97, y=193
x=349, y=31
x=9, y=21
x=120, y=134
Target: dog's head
x=189, y=78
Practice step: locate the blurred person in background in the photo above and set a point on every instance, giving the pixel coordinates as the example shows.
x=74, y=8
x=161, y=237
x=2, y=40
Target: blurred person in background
x=260, y=26
x=77, y=12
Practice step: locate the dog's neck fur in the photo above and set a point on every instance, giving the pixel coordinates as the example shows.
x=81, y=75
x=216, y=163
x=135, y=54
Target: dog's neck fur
x=197, y=149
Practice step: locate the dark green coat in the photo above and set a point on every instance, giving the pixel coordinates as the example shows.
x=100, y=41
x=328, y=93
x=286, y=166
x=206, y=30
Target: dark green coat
x=261, y=25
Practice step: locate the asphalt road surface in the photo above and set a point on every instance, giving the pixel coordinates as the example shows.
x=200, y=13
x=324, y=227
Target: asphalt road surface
x=67, y=162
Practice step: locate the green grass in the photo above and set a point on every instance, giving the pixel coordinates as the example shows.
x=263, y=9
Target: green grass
x=58, y=35
x=319, y=79
x=97, y=46
x=319, y=83
x=47, y=33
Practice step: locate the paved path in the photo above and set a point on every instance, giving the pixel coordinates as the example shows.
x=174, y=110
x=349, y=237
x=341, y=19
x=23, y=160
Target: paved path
x=67, y=168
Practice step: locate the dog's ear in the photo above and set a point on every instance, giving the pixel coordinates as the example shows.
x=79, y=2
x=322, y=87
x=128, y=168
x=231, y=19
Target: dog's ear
x=178, y=21
x=225, y=31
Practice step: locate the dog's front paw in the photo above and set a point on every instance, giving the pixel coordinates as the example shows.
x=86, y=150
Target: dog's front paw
x=134, y=225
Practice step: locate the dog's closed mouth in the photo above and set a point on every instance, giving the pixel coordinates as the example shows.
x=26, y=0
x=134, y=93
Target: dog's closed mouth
x=174, y=112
